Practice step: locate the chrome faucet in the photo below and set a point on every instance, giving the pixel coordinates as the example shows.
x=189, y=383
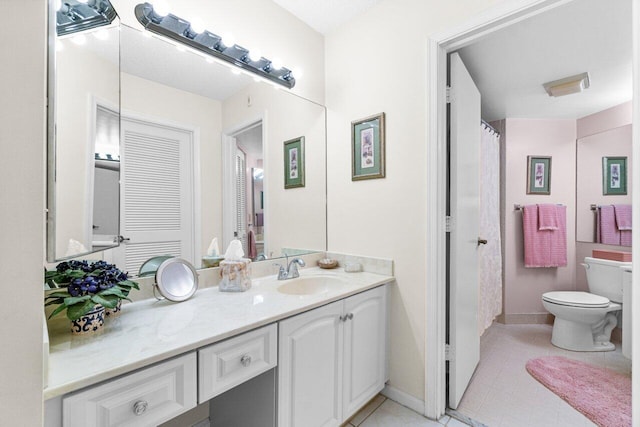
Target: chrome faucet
x=291, y=272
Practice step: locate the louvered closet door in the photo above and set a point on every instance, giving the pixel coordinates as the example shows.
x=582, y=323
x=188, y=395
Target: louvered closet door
x=157, y=193
x=241, y=199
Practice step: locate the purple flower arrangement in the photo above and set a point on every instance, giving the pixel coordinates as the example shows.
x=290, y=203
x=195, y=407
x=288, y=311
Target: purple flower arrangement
x=81, y=285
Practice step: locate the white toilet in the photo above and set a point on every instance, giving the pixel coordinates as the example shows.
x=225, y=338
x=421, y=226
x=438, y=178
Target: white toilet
x=584, y=320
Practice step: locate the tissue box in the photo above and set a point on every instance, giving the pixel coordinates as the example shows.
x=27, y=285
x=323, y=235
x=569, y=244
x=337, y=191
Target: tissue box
x=236, y=275
x=211, y=261
x=611, y=255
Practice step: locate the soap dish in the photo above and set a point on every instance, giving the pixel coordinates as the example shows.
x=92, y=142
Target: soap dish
x=327, y=263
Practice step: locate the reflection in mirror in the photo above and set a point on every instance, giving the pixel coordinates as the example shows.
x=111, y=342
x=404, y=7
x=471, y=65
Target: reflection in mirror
x=590, y=197
x=185, y=120
x=257, y=178
x=84, y=160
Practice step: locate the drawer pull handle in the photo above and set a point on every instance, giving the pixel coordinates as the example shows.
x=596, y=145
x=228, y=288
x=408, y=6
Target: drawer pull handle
x=140, y=407
x=245, y=360
x=350, y=316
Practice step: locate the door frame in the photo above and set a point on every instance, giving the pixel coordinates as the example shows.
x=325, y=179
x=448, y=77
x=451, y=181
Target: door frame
x=228, y=176
x=439, y=45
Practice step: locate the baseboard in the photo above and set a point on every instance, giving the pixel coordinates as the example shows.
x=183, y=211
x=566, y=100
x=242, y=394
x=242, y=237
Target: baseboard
x=404, y=399
x=526, y=319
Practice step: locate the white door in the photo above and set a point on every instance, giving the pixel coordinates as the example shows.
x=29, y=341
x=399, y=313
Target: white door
x=464, y=341
x=157, y=194
x=364, y=348
x=310, y=368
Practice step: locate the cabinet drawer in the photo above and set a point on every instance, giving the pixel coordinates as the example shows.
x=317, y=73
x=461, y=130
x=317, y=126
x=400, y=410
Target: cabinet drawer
x=226, y=364
x=144, y=398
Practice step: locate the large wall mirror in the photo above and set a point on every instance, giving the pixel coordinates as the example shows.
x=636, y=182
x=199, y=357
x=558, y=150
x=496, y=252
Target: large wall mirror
x=591, y=179
x=202, y=158
x=84, y=130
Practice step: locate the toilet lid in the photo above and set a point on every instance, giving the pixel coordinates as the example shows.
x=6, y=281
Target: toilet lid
x=576, y=299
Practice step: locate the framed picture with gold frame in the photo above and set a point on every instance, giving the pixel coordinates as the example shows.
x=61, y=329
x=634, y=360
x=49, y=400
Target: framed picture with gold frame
x=367, y=148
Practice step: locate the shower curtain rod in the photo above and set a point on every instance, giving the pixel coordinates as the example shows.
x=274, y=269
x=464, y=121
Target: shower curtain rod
x=491, y=128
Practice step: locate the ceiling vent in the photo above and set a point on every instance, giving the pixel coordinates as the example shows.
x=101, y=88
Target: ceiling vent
x=568, y=85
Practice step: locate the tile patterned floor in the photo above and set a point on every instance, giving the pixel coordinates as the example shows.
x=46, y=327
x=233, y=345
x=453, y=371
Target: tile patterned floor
x=383, y=412
x=502, y=393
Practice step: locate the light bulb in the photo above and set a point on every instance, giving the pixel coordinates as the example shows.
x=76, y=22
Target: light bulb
x=255, y=55
x=276, y=64
x=197, y=25
x=228, y=40
x=161, y=8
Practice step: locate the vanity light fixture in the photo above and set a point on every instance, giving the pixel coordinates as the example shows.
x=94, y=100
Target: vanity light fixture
x=568, y=85
x=73, y=16
x=182, y=31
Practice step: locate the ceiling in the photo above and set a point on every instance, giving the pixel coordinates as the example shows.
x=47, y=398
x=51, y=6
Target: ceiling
x=326, y=15
x=509, y=66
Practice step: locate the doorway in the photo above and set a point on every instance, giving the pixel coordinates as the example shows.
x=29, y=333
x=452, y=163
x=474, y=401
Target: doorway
x=243, y=189
x=440, y=46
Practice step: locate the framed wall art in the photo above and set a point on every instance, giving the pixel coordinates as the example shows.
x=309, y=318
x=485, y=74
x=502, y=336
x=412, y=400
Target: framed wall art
x=367, y=148
x=538, y=175
x=294, y=163
x=614, y=176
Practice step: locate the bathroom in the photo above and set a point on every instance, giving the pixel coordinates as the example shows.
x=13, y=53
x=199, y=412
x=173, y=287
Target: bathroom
x=569, y=138
x=356, y=223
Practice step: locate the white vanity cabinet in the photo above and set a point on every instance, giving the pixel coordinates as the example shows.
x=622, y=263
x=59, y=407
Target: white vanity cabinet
x=332, y=360
x=145, y=398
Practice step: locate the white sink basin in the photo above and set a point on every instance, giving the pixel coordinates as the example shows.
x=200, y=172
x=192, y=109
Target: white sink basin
x=310, y=285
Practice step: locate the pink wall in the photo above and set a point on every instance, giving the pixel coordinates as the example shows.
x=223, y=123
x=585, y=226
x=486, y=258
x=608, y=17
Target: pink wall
x=523, y=287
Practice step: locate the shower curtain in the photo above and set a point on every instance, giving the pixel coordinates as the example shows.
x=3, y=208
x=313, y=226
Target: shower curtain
x=490, y=260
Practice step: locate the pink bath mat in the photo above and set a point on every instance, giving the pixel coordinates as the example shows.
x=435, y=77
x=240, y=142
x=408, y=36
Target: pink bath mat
x=600, y=394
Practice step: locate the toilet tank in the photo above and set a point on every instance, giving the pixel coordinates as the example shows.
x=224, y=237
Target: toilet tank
x=604, y=277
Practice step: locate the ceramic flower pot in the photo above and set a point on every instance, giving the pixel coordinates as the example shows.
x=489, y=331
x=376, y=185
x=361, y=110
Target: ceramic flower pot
x=111, y=313
x=90, y=322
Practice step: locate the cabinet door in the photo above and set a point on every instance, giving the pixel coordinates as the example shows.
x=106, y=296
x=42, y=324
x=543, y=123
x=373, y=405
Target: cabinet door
x=364, y=352
x=310, y=368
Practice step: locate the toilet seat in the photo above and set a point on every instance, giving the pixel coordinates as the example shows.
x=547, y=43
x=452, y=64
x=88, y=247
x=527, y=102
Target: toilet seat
x=576, y=299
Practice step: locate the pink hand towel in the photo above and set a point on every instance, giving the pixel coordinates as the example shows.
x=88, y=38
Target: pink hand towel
x=547, y=217
x=251, y=242
x=544, y=248
x=623, y=216
x=608, y=232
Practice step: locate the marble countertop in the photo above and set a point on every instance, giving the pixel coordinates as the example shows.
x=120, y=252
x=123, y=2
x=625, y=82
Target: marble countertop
x=150, y=331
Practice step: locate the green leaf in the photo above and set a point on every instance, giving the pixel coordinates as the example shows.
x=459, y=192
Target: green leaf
x=58, y=295
x=109, y=301
x=79, y=309
x=113, y=291
x=75, y=274
x=54, y=301
x=75, y=300
x=57, y=310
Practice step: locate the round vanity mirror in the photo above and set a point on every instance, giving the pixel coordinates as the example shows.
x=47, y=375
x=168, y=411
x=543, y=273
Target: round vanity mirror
x=176, y=279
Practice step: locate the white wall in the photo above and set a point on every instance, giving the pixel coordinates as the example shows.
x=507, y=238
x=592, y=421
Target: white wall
x=377, y=62
x=22, y=135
